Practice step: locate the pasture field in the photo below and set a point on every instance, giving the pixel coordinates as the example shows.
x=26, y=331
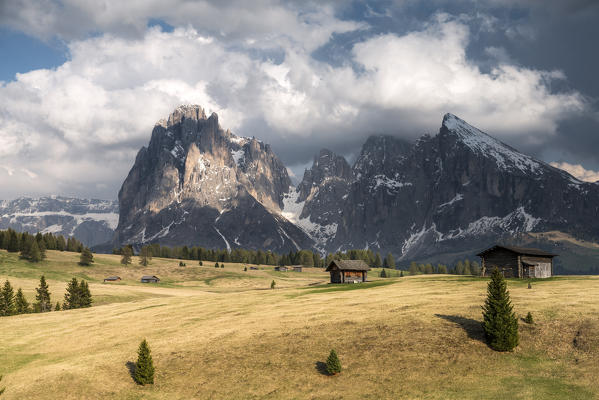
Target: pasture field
x=223, y=334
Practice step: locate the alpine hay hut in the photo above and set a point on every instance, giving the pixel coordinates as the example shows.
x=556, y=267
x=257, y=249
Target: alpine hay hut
x=348, y=271
x=517, y=262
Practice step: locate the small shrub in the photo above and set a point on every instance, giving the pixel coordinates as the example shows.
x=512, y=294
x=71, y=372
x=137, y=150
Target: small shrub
x=201, y=263
x=401, y=274
x=181, y=264
x=245, y=269
x=222, y=265
x=272, y=284
x=216, y=265
x=333, y=363
x=529, y=285
x=57, y=307
x=529, y=319
x=383, y=274
x=144, y=367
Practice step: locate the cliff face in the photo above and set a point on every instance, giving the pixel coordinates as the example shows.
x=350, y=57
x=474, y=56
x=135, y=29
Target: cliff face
x=196, y=183
x=448, y=194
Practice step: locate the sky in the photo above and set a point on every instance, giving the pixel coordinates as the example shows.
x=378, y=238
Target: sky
x=82, y=82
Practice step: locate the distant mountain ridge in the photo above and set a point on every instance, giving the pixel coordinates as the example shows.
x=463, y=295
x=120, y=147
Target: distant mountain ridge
x=91, y=221
x=442, y=196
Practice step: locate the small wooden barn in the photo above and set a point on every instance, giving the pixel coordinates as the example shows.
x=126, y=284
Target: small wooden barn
x=150, y=279
x=517, y=262
x=112, y=279
x=298, y=268
x=281, y=268
x=348, y=271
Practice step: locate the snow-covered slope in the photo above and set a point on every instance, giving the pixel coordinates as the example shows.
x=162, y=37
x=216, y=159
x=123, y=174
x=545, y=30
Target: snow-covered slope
x=89, y=220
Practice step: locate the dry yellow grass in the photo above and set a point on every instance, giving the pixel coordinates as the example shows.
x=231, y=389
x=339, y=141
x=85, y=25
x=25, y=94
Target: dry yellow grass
x=416, y=338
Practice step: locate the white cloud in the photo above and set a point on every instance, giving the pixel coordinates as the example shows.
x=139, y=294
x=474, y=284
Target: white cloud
x=77, y=127
x=578, y=171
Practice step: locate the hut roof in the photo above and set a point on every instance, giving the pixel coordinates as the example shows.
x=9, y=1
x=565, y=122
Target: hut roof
x=349, y=265
x=525, y=251
x=149, y=277
x=113, y=278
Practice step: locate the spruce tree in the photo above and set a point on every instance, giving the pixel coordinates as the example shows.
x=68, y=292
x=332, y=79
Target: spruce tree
x=57, y=306
x=333, y=363
x=144, y=367
x=126, y=255
x=216, y=265
x=43, y=296
x=145, y=255
x=401, y=274
x=8, y=300
x=72, y=298
x=499, y=321
x=21, y=303
x=272, y=284
x=389, y=261
x=378, y=263
x=86, y=258
x=85, y=296
x=529, y=319
x=35, y=255
x=383, y=273
x=13, y=242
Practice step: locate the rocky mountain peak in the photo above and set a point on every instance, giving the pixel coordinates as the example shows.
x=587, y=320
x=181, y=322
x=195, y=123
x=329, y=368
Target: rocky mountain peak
x=327, y=165
x=189, y=111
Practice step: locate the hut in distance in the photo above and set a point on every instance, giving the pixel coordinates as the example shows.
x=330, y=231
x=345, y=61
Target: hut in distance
x=517, y=262
x=348, y=271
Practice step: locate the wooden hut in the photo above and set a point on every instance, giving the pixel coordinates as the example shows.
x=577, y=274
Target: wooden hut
x=112, y=279
x=298, y=268
x=150, y=279
x=348, y=271
x=517, y=262
x=281, y=268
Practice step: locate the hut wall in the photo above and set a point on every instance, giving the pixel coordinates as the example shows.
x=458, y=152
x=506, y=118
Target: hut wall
x=542, y=269
x=353, y=276
x=505, y=261
x=335, y=276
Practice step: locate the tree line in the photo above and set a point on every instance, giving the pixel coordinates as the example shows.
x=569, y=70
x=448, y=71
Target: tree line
x=77, y=295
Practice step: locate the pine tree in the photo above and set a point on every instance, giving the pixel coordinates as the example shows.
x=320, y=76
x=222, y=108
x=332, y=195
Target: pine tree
x=216, y=265
x=13, y=242
x=86, y=258
x=85, y=296
x=7, y=303
x=201, y=263
x=378, y=263
x=499, y=321
x=383, y=273
x=57, y=306
x=35, y=255
x=43, y=296
x=72, y=298
x=21, y=303
x=389, y=261
x=144, y=367
x=401, y=274
x=145, y=255
x=126, y=255
x=413, y=268
x=273, y=284
x=333, y=363
x=529, y=319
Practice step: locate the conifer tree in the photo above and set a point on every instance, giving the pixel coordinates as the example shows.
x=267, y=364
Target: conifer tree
x=86, y=258
x=273, y=284
x=414, y=268
x=13, y=242
x=499, y=321
x=389, y=261
x=378, y=263
x=85, y=296
x=401, y=274
x=201, y=263
x=126, y=255
x=333, y=363
x=21, y=303
x=57, y=306
x=35, y=254
x=145, y=255
x=144, y=367
x=43, y=296
x=72, y=298
x=383, y=273
x=7, y=303
x=529, y=319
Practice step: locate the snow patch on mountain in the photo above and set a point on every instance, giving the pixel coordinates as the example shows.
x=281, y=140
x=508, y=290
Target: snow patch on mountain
x=506, y=157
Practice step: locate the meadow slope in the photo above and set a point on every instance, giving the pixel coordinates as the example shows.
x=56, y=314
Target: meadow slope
x=222, y=334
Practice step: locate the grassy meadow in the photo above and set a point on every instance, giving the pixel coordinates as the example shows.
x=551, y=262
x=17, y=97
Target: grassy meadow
x=223, y=334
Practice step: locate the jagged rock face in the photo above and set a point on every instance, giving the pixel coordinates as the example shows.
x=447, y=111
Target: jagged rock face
x=90, y=221
x=460, y=190
x=448, y=194
x=194, y=177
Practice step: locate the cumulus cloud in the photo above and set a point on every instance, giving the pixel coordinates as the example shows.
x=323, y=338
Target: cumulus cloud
x=578, y=171
x=75, y=129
